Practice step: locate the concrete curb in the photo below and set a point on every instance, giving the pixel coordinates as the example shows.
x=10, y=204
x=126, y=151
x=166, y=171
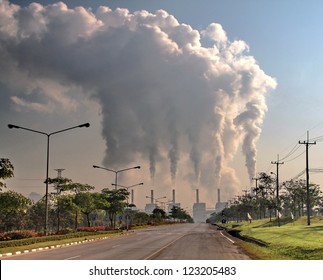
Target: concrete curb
x=61, y=245
x=236, y=233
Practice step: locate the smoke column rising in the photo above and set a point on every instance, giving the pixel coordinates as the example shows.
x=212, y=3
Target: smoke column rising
x=163, y=94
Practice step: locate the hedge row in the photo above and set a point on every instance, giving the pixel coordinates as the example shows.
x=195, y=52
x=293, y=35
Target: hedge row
x=33, y=240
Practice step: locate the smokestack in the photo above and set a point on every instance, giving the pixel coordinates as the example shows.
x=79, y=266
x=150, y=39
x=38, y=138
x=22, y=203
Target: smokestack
x=152, y=196
x=132, y=196
x=197, y=196
x=173, y=196
x=219, y=199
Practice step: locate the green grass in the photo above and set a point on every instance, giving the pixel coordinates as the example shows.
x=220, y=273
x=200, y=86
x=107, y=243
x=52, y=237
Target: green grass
x=45, y=244
x=292, y=240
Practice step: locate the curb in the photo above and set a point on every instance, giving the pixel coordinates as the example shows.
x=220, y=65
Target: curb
x=60, y=245
x=236, y=233
x=258, y=242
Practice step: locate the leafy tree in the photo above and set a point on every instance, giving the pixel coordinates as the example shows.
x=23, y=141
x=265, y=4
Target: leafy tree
x=140, y=218
x=65, y=211
x=86, y=202
x=6, y=171
x=265, y=193
x=13, y=210
x=113, y=201
x=159, y=214
x=67, y=186
x=180, y=214
x=296, y=196
x=36, y=215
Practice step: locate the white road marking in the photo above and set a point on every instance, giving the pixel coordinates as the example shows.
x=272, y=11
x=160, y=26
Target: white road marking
x=227, y=238
x=161, y=249
x=71, y=258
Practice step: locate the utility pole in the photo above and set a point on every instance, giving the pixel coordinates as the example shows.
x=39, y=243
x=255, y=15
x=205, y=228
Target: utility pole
x=306, y=143
x=277, y=186
x=256, y=193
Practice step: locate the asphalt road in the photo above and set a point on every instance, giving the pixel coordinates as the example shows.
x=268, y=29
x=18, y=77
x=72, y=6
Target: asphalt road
x=174, y=242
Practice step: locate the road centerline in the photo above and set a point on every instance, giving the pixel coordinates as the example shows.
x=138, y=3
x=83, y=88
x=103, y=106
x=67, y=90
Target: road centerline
x=164, y=247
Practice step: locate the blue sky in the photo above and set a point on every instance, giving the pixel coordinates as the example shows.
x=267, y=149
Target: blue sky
x=286, y=40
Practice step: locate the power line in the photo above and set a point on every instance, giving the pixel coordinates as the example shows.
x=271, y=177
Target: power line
x=311, y=170
x=292, y=151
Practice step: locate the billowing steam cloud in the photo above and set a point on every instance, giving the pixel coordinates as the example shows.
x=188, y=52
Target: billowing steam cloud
x=164, y=93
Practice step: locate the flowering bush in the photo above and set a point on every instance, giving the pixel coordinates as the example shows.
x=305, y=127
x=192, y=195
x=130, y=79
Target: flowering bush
x=94, y=229
x=17, y=234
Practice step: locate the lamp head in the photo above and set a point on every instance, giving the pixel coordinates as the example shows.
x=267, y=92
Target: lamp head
x=84, y=125
x=13, y=126
x=137, y=167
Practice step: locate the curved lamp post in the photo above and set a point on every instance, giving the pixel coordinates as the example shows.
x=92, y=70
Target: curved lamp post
x=116, y=172
x=124, y=187
x=47, y=161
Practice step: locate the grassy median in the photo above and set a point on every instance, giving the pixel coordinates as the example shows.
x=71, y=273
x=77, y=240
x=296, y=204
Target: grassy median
x=293, y=240
x=71, y=240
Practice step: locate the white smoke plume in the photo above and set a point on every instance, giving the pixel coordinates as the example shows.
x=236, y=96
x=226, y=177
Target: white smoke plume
x=163, y=92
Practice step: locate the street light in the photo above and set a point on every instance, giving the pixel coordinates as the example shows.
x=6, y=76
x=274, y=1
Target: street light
x=47, y=161
x=128, y=187
x=156, y=199
x=127, y=222
x=116, y=172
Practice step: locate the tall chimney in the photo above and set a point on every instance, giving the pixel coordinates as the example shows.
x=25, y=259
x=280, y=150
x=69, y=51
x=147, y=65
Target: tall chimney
x=197, y=196
x=152, y=196
x=219, y=199
x=173, y=196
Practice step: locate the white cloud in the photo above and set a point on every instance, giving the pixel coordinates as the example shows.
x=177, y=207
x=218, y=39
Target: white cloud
x=215, y=32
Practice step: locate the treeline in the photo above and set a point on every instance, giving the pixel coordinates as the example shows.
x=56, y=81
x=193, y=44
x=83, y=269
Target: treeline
x=74, y=205
x=262, y=201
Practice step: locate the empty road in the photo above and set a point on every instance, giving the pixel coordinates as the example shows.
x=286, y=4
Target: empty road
x=173, y=242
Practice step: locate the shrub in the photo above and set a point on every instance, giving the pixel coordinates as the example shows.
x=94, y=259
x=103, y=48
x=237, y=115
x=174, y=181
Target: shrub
x=17, y=234
x=65, y=231
x=124, y=227
x=92, y=229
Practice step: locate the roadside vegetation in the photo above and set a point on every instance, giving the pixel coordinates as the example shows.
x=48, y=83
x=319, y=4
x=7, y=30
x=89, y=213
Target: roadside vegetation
x=76, y=212
x=293, y=240
x=277, y=215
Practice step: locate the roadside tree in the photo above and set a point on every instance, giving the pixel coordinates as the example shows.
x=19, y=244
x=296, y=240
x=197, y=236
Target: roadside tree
x=13, y=209
x=6, y=171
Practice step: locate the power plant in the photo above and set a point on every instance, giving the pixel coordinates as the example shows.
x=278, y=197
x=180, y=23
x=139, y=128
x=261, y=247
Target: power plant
x=150, y=206
x=173, y=202
x=219, y=206
x=199, y=210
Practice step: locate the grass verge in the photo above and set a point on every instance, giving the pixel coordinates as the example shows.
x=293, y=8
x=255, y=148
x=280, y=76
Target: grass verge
x=68, y=240
x=292, y=240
